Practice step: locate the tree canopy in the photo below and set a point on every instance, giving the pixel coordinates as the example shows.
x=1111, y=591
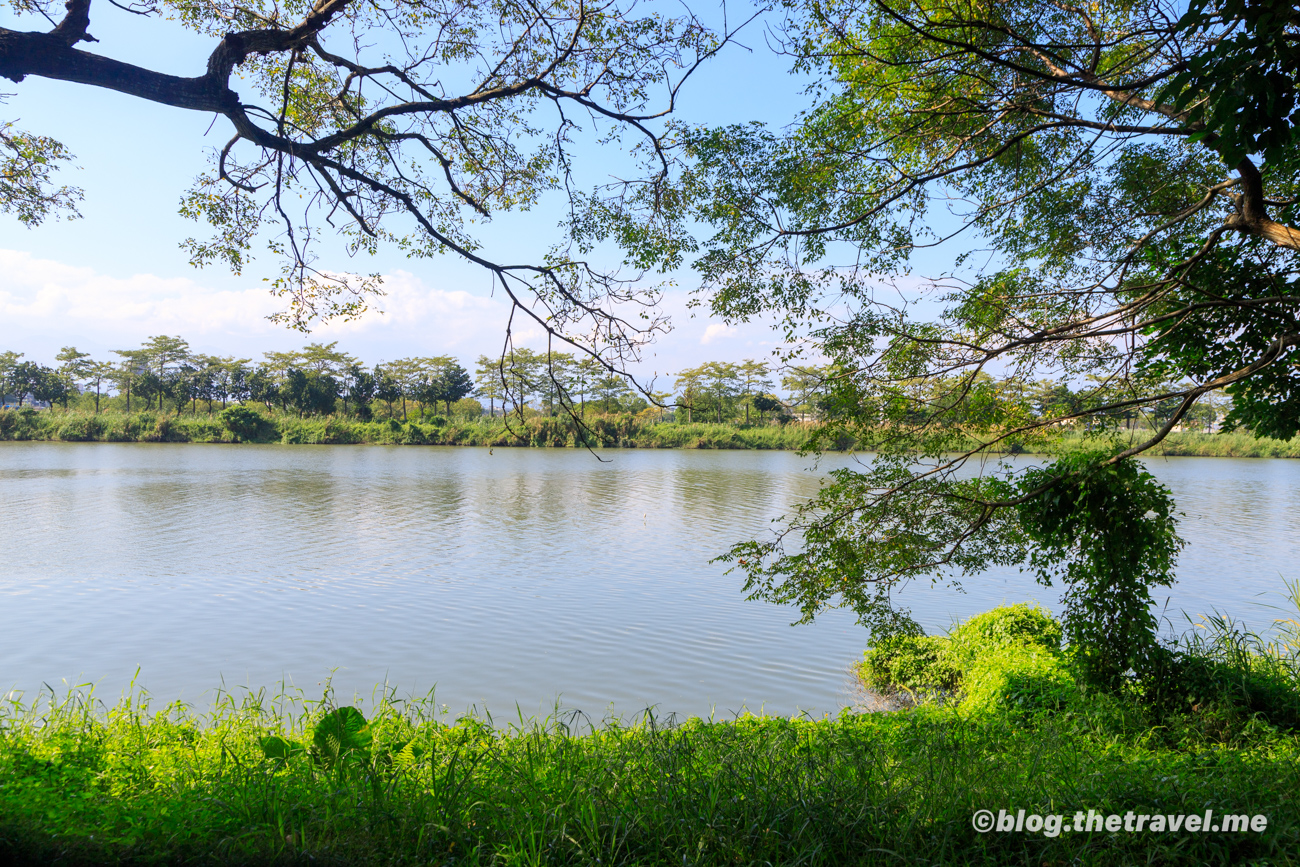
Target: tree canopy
x=390, y=122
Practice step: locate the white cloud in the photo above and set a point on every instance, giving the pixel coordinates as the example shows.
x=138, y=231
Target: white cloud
x=46, y=304
x=715, y=331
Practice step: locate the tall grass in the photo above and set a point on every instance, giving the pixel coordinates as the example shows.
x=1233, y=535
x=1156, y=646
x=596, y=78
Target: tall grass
x=85, y=784
x=614, y=431
x=1236, y=444
x=278, y=779
x=536, y=431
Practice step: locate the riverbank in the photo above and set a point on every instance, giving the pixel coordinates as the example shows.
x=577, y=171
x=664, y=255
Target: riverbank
x=253, y=783
x=604, y=431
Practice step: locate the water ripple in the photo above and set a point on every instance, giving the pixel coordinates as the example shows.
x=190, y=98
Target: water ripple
x=518, y=576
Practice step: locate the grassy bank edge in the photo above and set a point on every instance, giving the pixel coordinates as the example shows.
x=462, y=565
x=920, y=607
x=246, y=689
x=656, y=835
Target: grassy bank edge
x=265, y=779
x=534, y=432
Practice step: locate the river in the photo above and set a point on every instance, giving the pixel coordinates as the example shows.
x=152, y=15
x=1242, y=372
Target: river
x=503, y=579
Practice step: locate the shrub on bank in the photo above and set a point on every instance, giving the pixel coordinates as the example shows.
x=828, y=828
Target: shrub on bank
x=1009, y=658
x=1218, y=680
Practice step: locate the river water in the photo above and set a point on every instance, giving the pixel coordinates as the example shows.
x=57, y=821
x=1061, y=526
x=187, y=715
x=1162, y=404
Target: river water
x=505, y=579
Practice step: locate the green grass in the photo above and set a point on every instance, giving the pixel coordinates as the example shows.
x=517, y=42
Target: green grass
x=537, y=431
x=81, y=786
x=1237, y=444
x=262, y=780
x=607, y=431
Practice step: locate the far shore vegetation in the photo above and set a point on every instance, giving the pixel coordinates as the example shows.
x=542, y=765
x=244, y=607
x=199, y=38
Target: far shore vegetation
x=163, y=392
x=255, y=424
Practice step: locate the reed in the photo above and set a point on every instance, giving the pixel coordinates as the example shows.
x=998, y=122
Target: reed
x=535, y=431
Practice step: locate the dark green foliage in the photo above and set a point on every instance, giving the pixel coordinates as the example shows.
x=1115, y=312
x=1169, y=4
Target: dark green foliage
x=1208, y=341
x=242, y=421
x=1007, y=659
x=1106, y=530
x=913, y=662
x=1225, y=676
x=310, y=392
x=1243, y=89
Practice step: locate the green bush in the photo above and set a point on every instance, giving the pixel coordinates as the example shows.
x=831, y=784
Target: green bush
x=913, y=662
x=1231, y=676
x=80, y=429
x=1008, y=658
x=1017, y=676
x=1009, y=624
x=23, y=424
x=242, y=421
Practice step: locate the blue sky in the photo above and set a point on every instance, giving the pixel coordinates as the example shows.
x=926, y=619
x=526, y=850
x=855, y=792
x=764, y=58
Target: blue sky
x=118, y=275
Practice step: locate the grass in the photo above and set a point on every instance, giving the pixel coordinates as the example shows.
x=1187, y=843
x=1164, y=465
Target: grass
x=613, y=431
x=261, y=780
x=607, y=431
x=1235, y=444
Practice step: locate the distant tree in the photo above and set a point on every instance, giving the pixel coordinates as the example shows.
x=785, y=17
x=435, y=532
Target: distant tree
x=454, y=383
x=278, y=364
x=74, y=365
x=555, y=380
x=229, y=378
x=690, y=387
x=127, y=373
x=611, y=391
x=24, y=379
x=721, y=381
x=467, y=407
x=661, y=399
x=262, y=386
x=8, y=362
x=804, y=384
x=426, y=379
x=149, y=385
x=324, y=358
x=487, y=381
x=765, y=403
x=49, y=385
x=238, y=371
x=358, y=384
x=97, y=373
x=583, y=374
x=409, y=375
x=165, y=354
x=387, y=388
x=521, y=369
x=753, y=378
x=310, y=392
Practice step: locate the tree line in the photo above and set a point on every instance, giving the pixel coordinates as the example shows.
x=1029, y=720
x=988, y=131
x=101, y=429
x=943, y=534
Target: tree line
x=321, y=379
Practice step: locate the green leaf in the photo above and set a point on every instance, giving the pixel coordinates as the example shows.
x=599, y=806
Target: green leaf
x=340, y=734
x=276, y=747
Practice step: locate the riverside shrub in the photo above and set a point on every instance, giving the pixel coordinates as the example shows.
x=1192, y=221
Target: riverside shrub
x=242, y=421
x=1009, y=658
